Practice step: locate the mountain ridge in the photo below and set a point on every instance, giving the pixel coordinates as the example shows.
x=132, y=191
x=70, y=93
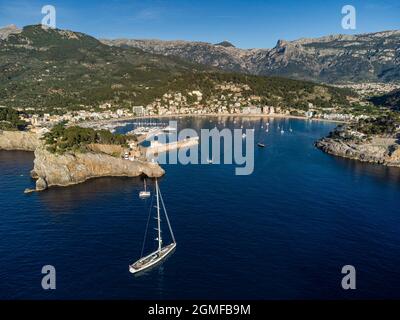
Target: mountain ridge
x=337, y=58
x=367, y=57
x=56, y=70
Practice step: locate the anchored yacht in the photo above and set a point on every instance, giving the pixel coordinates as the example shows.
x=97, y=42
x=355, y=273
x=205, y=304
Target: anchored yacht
x=163, y=251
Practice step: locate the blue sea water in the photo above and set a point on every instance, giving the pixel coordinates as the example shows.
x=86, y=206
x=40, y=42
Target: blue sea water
x=284, y=232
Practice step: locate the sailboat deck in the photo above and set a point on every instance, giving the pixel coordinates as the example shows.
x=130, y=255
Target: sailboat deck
x=152, y=258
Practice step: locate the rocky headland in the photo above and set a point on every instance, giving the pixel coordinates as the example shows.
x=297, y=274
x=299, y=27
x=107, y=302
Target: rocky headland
x=367, y=142
x=71, y=168
x=384, y=151
x=18, y=140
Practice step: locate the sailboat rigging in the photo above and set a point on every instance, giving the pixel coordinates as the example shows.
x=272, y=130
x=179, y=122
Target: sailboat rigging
x=162, y=251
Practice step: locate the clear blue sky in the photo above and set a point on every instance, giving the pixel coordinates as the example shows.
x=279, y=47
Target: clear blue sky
x=247, y=24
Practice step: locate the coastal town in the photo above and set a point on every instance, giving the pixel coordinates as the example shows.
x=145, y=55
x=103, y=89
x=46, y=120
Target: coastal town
x=231, y=100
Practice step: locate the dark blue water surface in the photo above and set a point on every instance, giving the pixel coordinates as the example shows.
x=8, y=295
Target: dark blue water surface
x=283, y=232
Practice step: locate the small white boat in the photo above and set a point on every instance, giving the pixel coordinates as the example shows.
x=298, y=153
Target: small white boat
x=244, y=136
x=210, y=161
x=162, y=252
x=282, y=131
x=144, y=194
x=169, y=129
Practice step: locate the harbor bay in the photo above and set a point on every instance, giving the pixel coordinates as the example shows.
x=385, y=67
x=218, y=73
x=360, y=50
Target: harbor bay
x=288, y=228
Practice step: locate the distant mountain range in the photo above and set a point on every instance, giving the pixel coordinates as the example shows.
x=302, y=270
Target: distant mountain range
x=47, y=68
x=52, y=69
x=331, y=59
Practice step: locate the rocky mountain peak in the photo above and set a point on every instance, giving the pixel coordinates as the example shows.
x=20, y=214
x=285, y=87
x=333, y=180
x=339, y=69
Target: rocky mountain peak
x=332, y=58
x=7, y=30
x=281, y=43
x=225, y=44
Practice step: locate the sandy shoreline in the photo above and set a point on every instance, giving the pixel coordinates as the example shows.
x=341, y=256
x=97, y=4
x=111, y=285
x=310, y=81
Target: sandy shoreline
x=256, y=116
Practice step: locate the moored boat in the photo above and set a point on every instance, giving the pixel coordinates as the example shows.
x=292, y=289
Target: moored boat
x=162, y=252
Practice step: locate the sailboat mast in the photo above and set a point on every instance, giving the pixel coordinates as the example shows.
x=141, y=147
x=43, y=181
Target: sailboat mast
x=158, y=218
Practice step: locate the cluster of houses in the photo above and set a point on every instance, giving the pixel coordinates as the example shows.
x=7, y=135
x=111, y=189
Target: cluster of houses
x=74, y=117
x=342, y=117
x=369, y=89
x=230, y=99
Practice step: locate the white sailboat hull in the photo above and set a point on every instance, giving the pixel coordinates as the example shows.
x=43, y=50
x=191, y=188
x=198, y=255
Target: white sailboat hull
x=144, y=194
x=152, y=259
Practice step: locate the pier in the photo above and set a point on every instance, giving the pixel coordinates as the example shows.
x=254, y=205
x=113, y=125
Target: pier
x=157, y=147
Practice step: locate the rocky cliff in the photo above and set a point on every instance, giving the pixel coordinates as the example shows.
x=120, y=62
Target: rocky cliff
x=378, y=150
x=364, y=57
x=6, y=31
x=374, y=139
x=18, y=140
x=68, y=169
x=72, y=168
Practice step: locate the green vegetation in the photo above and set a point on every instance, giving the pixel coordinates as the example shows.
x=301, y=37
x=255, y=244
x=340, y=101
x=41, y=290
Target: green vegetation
x=388, y=124
x=49, y=69
x=390, y=100
x=54, y=71
x=9, y=120
x=274, y=91
x=62, y=139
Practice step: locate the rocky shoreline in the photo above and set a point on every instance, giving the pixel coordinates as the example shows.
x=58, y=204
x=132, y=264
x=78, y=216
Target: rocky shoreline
x=73, y=168
x=379, y=150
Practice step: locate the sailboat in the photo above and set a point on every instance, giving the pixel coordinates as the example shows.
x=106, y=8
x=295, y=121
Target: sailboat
x=260, y=144
x=163, y=251
x=144, y=194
